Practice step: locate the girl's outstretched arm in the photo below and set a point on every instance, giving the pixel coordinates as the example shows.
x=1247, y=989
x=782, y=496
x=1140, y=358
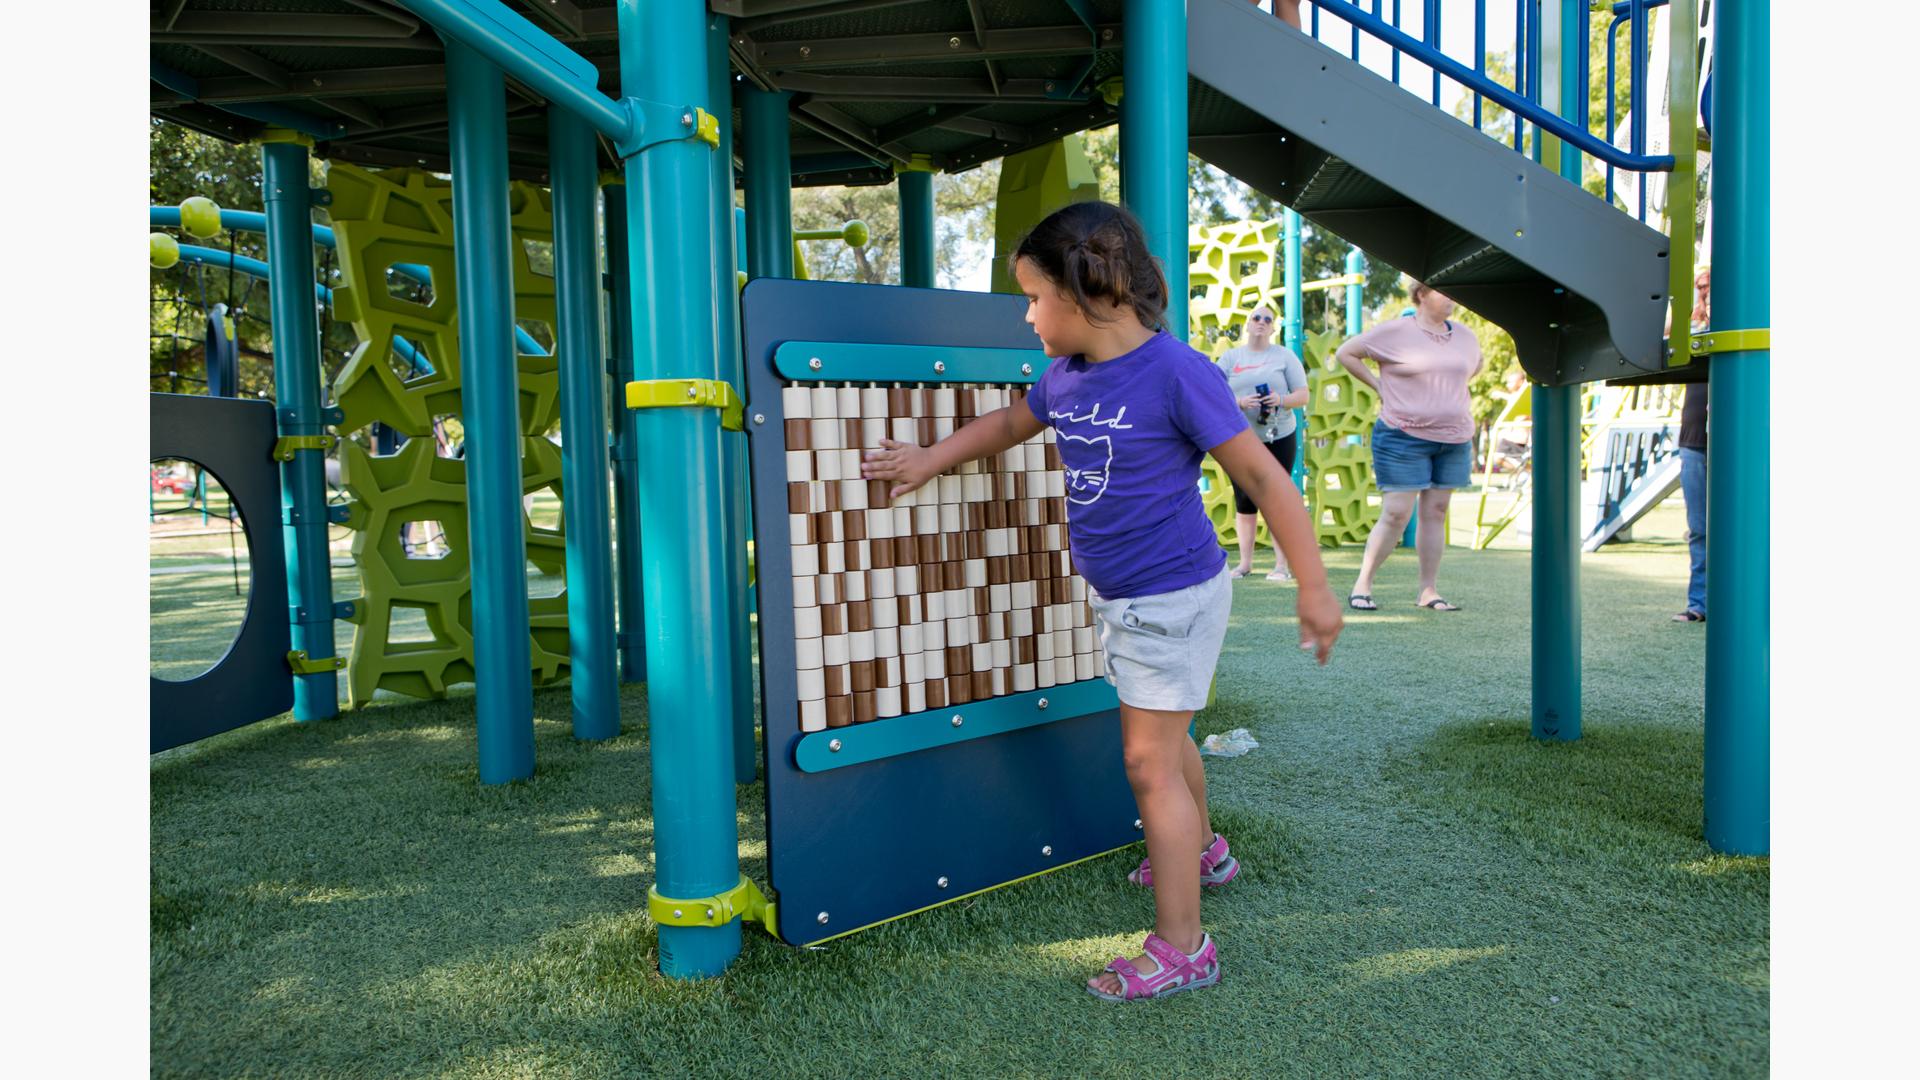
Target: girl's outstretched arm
x=1259, y=477
x=909, y=466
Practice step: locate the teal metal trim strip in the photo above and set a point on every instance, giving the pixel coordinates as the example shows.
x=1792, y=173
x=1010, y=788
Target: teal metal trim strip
x=840, y=361
x=816, y=752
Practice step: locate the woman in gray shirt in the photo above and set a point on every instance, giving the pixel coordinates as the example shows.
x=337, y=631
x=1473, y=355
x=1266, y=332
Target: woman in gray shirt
x=1270, y=382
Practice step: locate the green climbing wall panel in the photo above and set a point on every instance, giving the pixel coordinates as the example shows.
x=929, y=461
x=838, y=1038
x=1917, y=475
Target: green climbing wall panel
x=404, y=216
x=1340, y=412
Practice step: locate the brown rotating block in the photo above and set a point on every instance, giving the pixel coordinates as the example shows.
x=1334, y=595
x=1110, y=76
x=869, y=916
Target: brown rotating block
x=839, y=711
x=899, y=401
x=1017, y=514
x=974, y=517
x=926, y=550
x=1058, y=508
x=850, y=433
x=967, y=405
x=797, y=501
x=925, y=424
x=997, y=514
x=976, y=544
x=956, y=575
x=936, y=690
x=856, y=556
x=886, y=672
x=959, y=660
x=1033, y=538
x=906, y=551
x=863, y=710
x=960, y=689
x=859, y=618
x=862, y=672
x=998, y=567
x=832, y=495
x=879, y=492
x=982, y=685
x=833, y=619
x=839, y=681
x=881, y=553
x=1024, y=650
x=799, y=434
x=980, y=601
x=1019, y=485
x=853, y=524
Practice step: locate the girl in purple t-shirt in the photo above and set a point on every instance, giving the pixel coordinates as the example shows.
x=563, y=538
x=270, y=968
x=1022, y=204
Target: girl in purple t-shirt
x=1134, y=409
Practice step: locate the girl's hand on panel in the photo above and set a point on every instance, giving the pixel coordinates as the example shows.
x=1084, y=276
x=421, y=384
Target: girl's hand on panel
x=907, y=466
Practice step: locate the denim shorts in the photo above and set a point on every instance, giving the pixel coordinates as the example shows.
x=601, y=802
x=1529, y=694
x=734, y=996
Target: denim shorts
x=1161, y=649
x=1403, y=462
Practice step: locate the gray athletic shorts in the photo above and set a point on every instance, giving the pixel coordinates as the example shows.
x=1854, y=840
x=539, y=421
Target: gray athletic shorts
x=1161, y=649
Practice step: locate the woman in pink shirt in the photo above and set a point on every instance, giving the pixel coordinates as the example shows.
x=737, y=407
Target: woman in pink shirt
x=1422, y=442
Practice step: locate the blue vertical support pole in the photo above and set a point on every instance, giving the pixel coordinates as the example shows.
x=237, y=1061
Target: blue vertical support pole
x=663, y=58
x=726, y=309
x=575, y=180
x=916, y=226
x=1739, y=665
x=296, y=389
x=1556, y=454
x=631, y=641
x=490, y=396
x=769, y=183
x=1153, y=139
x=1295, y=337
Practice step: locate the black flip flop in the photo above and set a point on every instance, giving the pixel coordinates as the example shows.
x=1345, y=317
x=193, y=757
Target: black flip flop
x=1439, y=603
x=1362, y=602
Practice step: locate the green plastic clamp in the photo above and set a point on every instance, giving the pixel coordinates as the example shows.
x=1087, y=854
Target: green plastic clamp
x=690, y=393
x=286, y=446
x=302, y=664
x=1731, y=341
x=744, y=901
x=655, y=123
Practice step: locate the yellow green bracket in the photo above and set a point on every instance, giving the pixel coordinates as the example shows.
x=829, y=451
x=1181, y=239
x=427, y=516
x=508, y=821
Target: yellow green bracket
x=302, y=664
x=706, y=127
x=288, y=445
x=693, y=393
x=1731, y=341
x=744, y=901
x=284, y=135
x=916, y=163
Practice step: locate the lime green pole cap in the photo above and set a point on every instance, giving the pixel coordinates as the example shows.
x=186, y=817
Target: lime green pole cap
x=855, y=233
x=162, y=250
x=200, y=216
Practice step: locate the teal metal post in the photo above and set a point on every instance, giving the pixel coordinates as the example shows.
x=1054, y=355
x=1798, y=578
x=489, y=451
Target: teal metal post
x=1739, y=664
x=916, y=229
x=583, y=425
x=1356, y=293
x=632, y=639
x=726, y=304
x=663, y=57
x=1153, y=139
x=1556, y=460
x=490, y=395
x=769, y=183
x=1295, y=332
x=296, y=389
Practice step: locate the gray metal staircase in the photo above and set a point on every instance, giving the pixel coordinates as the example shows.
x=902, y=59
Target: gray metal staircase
x=1581, y=286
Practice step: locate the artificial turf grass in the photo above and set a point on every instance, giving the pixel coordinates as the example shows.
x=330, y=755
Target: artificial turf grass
x=344, y=898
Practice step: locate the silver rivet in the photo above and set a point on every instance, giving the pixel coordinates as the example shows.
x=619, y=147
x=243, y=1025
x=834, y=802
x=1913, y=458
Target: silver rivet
x=693, y=392
x=759, y=418
x=821, y=918
x=1047, y=850
x=957, y=721
x=953, y=43
x=1136, y=823
x=709, y=913
x=834, y=746
x=1042, y=703
x=686, y=119
x=1026, y=369
x=678, y=914
x=814, y=363
x=939, y=366
x=942, y=882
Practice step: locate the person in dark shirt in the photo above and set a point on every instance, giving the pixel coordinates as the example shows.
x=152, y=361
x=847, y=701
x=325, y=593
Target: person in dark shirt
x=1693, y=471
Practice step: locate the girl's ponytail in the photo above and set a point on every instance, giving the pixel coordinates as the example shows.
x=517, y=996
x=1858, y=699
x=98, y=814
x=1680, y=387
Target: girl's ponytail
x=1096, y=250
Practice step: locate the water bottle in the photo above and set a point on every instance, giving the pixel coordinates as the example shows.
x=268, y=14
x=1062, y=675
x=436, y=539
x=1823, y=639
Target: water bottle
x=1265, y=410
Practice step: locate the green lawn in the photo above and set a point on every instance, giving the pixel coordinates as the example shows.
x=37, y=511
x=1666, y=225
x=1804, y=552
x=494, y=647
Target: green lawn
x=1428, y=892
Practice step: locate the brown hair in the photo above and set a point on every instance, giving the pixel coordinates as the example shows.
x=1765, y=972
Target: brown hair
x=1098, y=250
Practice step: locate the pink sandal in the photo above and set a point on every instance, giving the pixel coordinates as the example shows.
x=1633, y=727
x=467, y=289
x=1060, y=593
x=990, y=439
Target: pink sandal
x=1177, y=972
x=1217, y=866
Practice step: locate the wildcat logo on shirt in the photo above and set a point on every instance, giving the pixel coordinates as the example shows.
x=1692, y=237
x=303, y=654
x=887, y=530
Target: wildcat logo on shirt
x=1087, y=470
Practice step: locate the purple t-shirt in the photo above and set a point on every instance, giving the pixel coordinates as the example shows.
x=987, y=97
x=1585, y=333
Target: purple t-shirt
x=1131, y=433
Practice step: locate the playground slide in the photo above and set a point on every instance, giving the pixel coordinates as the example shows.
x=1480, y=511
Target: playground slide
x=1648, y=492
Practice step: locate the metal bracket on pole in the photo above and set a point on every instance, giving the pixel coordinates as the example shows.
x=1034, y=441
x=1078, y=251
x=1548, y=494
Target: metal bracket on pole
x=744, y=901
x=1729, y=341
x=654, y=123
x=302, y=664
x=694, y=393
x=286, y=446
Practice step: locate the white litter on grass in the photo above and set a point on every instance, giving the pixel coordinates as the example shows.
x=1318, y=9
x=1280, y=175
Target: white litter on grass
x=1232, y=744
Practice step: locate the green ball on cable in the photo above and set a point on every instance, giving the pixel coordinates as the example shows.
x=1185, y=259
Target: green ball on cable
x=200, y=217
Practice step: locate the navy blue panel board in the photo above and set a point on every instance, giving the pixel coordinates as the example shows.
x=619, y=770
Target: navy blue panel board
x=853, y=846
x=232, y=438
